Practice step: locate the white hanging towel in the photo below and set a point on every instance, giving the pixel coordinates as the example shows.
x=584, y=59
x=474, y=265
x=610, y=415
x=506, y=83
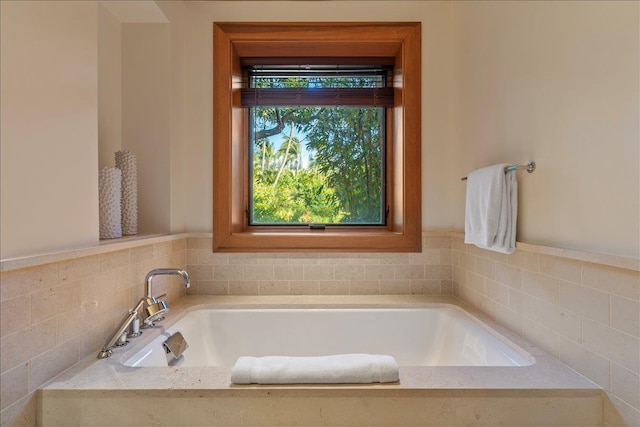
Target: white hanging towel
x=492, y=209
x=336, y=369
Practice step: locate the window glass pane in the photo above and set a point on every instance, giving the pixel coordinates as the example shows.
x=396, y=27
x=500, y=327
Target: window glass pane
x=314, y=80
x=317, y=165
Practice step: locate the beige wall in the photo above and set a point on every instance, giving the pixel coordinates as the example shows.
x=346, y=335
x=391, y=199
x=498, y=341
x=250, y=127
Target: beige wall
x=146, y=118
x=109, y=87
x=49, y=126
x=436, y=53
x=554, y=82
x=557, y=83
x=174, y=11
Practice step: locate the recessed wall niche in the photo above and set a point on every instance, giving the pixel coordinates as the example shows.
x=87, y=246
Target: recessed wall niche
x=134, y=111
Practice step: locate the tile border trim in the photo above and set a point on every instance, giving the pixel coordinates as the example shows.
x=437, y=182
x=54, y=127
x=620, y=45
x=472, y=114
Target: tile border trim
x=592, y=257
x=98, y=249
x=111, y=246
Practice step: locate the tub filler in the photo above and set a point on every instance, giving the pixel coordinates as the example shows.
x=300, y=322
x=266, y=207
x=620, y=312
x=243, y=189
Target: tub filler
x=455, y=370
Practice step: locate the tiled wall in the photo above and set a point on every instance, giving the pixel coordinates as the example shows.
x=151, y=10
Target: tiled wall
x=585, y=314
x=55, y=314
x=428, y=272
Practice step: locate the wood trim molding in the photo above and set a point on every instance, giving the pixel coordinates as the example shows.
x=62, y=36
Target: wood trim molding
x=401, y=44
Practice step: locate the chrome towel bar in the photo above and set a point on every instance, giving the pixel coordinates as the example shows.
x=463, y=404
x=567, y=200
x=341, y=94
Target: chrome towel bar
x=530, y=167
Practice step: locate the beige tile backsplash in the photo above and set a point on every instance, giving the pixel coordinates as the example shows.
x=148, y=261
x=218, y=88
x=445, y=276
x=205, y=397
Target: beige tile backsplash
x=428, y=272
x=624, y=315
x=55, y=314
x=585, y=314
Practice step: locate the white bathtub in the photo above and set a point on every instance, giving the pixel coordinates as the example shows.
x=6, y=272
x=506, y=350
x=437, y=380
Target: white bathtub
x=419, y=331
x=443, y=335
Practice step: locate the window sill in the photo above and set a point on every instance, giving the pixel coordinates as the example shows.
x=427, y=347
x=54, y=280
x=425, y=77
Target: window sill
x=369, y=240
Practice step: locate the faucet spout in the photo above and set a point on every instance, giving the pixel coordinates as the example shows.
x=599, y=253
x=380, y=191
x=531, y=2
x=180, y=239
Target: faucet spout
x=164, y=272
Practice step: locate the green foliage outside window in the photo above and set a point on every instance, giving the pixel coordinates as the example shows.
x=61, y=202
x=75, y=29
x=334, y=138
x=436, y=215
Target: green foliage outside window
x=317, y=164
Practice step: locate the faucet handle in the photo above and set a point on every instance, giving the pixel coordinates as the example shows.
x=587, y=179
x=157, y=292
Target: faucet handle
x=155, y=312
x=159, y=298
x=157, y=308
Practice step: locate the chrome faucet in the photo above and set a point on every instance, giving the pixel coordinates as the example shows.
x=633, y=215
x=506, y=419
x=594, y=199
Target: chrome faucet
x=156, y=308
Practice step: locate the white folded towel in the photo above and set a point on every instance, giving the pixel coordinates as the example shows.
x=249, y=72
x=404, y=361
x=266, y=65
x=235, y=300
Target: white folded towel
x=336, y=369
x=492, y=209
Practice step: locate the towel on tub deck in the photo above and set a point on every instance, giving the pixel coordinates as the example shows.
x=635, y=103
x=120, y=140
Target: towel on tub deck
x=492, y=209
x=336, y=369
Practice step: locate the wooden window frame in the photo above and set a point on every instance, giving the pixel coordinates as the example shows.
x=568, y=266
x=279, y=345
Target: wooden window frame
x=238, y=43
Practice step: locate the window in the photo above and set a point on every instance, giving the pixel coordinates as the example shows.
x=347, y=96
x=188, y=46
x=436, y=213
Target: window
x=299, y=89
x=317, y=144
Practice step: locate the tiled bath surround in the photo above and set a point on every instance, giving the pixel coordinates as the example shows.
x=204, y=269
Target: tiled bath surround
x=585, y=314
x=55, y=314
x=58, y=312
x=428, y=272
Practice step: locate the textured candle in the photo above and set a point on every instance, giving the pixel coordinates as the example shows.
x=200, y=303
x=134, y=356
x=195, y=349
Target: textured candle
x=109, y=194
x=127, y=163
